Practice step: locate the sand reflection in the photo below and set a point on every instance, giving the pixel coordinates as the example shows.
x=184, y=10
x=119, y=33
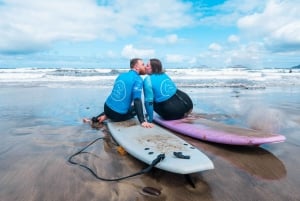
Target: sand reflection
x=254, y=160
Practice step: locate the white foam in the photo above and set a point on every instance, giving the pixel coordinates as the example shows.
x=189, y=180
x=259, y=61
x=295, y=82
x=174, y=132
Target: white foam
x=205, y=77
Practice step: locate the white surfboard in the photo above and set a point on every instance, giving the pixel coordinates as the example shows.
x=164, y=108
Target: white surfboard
x=146, y=144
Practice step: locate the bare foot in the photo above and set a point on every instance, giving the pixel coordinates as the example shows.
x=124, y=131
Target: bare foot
x=102, y=118
x=86, y=120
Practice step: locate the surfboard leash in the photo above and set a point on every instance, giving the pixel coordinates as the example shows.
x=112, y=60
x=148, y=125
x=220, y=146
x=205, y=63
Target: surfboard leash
x=157, y=160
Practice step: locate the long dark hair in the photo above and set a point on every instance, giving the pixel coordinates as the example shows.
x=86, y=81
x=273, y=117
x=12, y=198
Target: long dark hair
x=156, y=66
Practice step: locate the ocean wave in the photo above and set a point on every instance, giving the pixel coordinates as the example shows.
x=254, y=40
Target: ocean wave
x=185, y=77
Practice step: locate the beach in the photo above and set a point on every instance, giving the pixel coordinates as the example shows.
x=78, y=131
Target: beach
x=41, y=127
x=60, y=61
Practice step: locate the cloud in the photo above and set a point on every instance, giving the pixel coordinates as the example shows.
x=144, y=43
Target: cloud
x=32, y=25
x=180, y=60
x=130, y=52
x=165, y=14
x=233, y=39
x=175, y=58
x=168, y=39
x=278, y=25
x=229, y=12
x=215, y=47
x=249, y=55
x=29, y=25
x=110, y=54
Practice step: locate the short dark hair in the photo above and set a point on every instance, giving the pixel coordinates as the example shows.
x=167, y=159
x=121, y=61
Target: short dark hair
x=133, y=62
x=156, y=66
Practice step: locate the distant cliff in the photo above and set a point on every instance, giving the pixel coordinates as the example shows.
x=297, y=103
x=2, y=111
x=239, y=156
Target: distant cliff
x=296, y=67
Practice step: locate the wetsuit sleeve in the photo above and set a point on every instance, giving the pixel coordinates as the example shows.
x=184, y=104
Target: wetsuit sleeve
x=137, y=88
x=137, y=98
x=138, y=106
x=148, y=97
x=149, y=110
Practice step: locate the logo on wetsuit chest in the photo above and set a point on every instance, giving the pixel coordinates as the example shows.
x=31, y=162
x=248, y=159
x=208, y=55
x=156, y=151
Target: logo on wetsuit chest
x=119, y=91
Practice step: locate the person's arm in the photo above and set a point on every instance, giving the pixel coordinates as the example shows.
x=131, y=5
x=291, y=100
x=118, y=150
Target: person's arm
x=148, y=96
x=138, y=106
x=149, y=110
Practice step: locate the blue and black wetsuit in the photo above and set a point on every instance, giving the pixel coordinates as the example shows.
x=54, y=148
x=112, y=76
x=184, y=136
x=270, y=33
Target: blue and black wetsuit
x=127, y=89
x=162, y=96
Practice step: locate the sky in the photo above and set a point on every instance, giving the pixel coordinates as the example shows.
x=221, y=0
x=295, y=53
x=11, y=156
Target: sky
x=181, y=33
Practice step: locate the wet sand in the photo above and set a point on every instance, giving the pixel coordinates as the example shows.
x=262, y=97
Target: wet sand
x=41, y=128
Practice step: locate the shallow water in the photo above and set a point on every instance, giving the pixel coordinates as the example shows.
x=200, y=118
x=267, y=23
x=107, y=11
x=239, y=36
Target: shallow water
x=41, y=127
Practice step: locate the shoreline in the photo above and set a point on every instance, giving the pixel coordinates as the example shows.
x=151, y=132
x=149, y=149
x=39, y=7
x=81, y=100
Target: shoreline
x=42, y=127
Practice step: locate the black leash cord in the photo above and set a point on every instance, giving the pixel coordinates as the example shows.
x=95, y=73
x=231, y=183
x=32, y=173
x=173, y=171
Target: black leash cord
x=158, y=159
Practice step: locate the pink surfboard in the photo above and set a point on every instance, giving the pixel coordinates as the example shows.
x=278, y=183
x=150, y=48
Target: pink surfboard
x=212, y=131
